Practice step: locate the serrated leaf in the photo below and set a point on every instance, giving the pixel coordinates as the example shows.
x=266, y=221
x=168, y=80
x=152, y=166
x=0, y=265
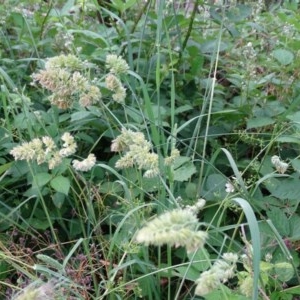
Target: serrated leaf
x=185, y=172
x=294, y=223
x=280, y=220
x=61, y=184
x=283, y=56
x=283, y=189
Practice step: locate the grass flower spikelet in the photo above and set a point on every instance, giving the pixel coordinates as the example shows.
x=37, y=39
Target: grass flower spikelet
x=86, y=164
x=44, y=150
x=120, y=95
x=116, y=64
x=174, y=228
x=136, y=152
x=69, y=146
x=222, y=270
x=63, y=77
x=280, y=165
x=44, y=292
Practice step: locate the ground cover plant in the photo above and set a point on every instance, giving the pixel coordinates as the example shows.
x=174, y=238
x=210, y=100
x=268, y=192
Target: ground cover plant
x=149, y=149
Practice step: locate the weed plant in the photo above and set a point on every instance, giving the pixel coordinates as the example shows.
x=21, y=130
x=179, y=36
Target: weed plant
x=149, y=149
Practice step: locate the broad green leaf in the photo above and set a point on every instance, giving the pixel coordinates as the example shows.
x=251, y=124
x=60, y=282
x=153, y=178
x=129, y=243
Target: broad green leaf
x=215, y=184
x=199, y=259
x=185, y=172
x=58, y=199
x=296, y=164
x=187, y=272
x=179, y=161
x=111, y=187
x=295, y=290
x=212, y=46
x=5, y=167
x=41, y=179
x=79, y=115
x=191, y=190
x=295, y=117
x=198, y=264
x=123, y=5
x=239, y=12
x=223, y=293
x=183, y=108
x=287, y=188
x=38, y=224
x=294, y=223
x=61, y=184
x=5, y=269
x=67, y=8
x=284, y=271
x=288, y=139
x=91, y=35
x=283, y=56
x=266, y=266
x=259, y=122
x=280, y=220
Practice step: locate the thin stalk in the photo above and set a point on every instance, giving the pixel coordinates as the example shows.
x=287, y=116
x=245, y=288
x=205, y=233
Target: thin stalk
x=44, y=207
x=169, y=258
x=209, y=112
x=190, y=28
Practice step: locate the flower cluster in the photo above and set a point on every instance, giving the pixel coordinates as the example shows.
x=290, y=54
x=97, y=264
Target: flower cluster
x=86, y=164
x=222, y=270
x=63, y=78
x=171, y=159
x=117, y=66
x=136, y=152
x=69, y=145
x=44, y=150
x=229, y=188
x=280, y=166
x=174, y=228
x=197, y=206
x=45, y=291
x=40, y=150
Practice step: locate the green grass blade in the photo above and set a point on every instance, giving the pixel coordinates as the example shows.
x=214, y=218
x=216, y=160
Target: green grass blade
x=255, y=236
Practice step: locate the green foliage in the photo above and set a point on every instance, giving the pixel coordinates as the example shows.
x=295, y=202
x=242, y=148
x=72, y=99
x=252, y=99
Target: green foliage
x=116, y=114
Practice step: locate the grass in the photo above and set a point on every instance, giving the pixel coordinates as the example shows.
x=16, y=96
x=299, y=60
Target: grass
x=185, y=156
